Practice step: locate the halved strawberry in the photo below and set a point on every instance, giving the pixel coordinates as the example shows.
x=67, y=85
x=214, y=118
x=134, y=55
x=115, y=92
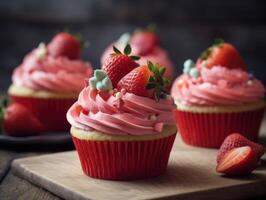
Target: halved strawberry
x=144, y=42
x=19, y=121
x=223, y=54
x=65, y=44
x=146, y=81
x=238, y=161
x=237, y=140
x=117, y=65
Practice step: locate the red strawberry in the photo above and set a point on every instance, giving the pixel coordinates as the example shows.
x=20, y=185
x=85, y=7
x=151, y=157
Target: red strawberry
x=64, y=44
x=19, y=121
x=117, y=65
x=237, y=140
x=136, y=81
x=145, y=81
x=144, y=42
x=238, y=161
x=223, y=54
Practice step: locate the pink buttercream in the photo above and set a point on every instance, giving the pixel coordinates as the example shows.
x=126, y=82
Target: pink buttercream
x=157, y=55
x=126, y=114
x=217, y=86
x=53, y=74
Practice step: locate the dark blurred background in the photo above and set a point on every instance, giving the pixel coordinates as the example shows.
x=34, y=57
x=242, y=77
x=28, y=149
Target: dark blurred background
x=186, y=27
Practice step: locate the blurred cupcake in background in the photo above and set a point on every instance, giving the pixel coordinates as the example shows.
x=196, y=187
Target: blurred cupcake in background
x=48, y=82
x=217, y=96
x=146, y=44
x=122, y=123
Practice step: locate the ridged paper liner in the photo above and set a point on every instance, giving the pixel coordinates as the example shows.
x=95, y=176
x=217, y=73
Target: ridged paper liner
x=124, y=160
x=50, y=112
x=210, y=129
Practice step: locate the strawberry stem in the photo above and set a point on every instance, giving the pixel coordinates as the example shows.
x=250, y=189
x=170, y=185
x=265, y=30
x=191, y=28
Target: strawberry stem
x=127, y=51
x=152, y=28
x=116, y=51
x=83, y=43
x=157, y=81
x=205, y=54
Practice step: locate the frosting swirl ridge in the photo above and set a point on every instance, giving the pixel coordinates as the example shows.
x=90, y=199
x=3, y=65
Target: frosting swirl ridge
x=120, y=114
x=48, y=73
x=217, y=86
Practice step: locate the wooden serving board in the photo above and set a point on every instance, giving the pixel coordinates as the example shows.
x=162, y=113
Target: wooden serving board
x=190, y=175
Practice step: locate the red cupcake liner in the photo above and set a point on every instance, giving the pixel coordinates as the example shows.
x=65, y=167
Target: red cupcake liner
x=50, y=112
x=210, y=129
x=124, y=160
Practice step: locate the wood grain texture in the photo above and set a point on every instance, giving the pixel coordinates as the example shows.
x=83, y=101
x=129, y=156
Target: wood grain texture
x=14, y=187
x=190, y=175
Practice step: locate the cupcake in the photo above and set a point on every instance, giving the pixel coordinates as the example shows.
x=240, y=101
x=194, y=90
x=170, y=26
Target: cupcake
x=124, y=132
x=49, y=80
x=217, y=96
x=145, y=44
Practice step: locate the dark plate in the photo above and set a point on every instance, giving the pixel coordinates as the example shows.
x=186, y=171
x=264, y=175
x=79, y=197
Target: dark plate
x=46, y=141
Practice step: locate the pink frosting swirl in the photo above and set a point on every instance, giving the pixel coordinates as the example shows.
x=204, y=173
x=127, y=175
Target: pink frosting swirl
x=127, y=114
x=217, y=86
x=53, y=74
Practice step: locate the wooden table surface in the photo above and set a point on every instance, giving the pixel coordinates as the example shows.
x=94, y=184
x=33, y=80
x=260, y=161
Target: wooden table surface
x=13, y=187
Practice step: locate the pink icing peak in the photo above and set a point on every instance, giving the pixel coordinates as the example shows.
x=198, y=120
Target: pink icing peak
x=217, y=86
x=124, y=114
x=53, y=74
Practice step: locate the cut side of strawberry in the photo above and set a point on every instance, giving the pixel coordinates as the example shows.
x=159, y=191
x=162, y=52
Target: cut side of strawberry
x=237, y=140
x=238, y=161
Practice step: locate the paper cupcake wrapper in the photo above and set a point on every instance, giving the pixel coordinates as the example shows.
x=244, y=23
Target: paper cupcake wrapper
x=210, y=129
x=50, y=112
x=124, y=160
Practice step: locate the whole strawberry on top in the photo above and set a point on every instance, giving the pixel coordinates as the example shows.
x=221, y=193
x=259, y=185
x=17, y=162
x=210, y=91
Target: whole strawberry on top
x=65, y=44
x=216, y=96
x=146, y=44
x=118, y=64
x=222, y=54
x=146, y=80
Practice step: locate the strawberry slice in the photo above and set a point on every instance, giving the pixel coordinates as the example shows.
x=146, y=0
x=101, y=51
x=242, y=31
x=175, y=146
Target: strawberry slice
x=65, y=44
x=223, y=54
x=237, y=140
x=19, y=121
x=147, y=80
x=118, y=64
x=238, y=161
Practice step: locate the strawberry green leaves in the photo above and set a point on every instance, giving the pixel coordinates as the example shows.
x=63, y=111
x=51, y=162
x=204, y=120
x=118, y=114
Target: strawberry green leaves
x=3, y=104
x=157, y=81
x=127, y=51
x=205, y=54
